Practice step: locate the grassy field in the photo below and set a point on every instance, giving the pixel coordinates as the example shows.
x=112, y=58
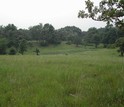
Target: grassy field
x=58, y=49
x=82, y=78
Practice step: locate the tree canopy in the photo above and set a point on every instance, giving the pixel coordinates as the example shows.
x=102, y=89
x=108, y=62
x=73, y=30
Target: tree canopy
x=110, y=11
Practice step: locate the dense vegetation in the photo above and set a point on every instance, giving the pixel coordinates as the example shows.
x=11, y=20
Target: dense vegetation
x=13, y=40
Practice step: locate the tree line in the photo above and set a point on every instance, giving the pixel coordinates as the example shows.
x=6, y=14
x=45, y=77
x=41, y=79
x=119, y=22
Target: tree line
x=13, y=40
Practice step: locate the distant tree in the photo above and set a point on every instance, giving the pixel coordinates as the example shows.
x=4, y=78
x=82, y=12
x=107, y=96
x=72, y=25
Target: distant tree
x=76, y=39
x=36, y=32
x=61, y=34
x=1, y=32
x=96, y=40
x=109, y=35
x=11, y=34
x=10, y=31
x=37, y=51
x=120, y=33
x=120, y=44
x=12, y=51
x=71, y=34
x=48, y=32
x=22, y=46
x=3, y=45
x=55, y=39
x=50, y=35
x=24, y=33
x=89, y=38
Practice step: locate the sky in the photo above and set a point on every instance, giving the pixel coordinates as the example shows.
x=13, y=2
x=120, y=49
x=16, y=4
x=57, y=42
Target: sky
x=59, y=13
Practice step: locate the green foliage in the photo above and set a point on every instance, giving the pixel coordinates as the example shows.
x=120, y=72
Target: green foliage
x=46, y=35
x=107, y=36
x=120, y=44
x=120, y=41
x=10, y=31
x=37, y=51
x=77, y=40
x=71, y=34
x=22, y=46
x=92, y=36
x=3, y=45
x=12, y=51
x=49, y=34
x=24, y=33
x=110, y=11
x=68, y=43
x=89, y=35
x=36, y=31
x=96, y=40
x=30, y=44
x=111, y=46
x=1, y=32
x=110, y=35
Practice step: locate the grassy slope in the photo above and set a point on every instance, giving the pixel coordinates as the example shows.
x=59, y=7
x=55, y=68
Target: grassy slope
x=58, y=49
x=80, y=79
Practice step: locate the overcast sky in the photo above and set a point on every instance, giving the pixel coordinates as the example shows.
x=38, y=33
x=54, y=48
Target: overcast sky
x=59, y=13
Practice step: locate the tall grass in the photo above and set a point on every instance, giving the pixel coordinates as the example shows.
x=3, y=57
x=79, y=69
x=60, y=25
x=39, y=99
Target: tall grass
x=80, y=79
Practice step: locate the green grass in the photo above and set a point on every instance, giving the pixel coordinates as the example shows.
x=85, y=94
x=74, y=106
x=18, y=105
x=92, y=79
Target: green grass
x=83, y=78
x=58, y=49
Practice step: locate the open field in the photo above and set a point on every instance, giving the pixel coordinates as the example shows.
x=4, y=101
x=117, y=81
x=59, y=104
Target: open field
x=63, y=48
x=81, y=78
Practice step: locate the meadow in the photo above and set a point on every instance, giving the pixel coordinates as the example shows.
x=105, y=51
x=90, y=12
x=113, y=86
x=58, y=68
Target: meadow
x=62, y=77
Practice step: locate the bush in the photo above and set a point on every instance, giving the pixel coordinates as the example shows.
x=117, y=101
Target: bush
x=101, y=46
x=12, y=51
x=68, y=42
x=111, y=46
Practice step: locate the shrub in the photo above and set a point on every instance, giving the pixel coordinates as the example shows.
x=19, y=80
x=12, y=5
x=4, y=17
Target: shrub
x=68, y=42
x=12, y=51
x=111, y=46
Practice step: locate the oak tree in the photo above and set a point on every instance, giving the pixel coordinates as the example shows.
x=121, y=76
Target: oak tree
x=110, y=11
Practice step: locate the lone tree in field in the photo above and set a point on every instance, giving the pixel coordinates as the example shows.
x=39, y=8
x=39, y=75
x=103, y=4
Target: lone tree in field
x=110, y=11
x=37, y=51
x=22, y=46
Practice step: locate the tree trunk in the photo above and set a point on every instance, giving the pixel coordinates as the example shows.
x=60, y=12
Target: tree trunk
x=122, y=53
